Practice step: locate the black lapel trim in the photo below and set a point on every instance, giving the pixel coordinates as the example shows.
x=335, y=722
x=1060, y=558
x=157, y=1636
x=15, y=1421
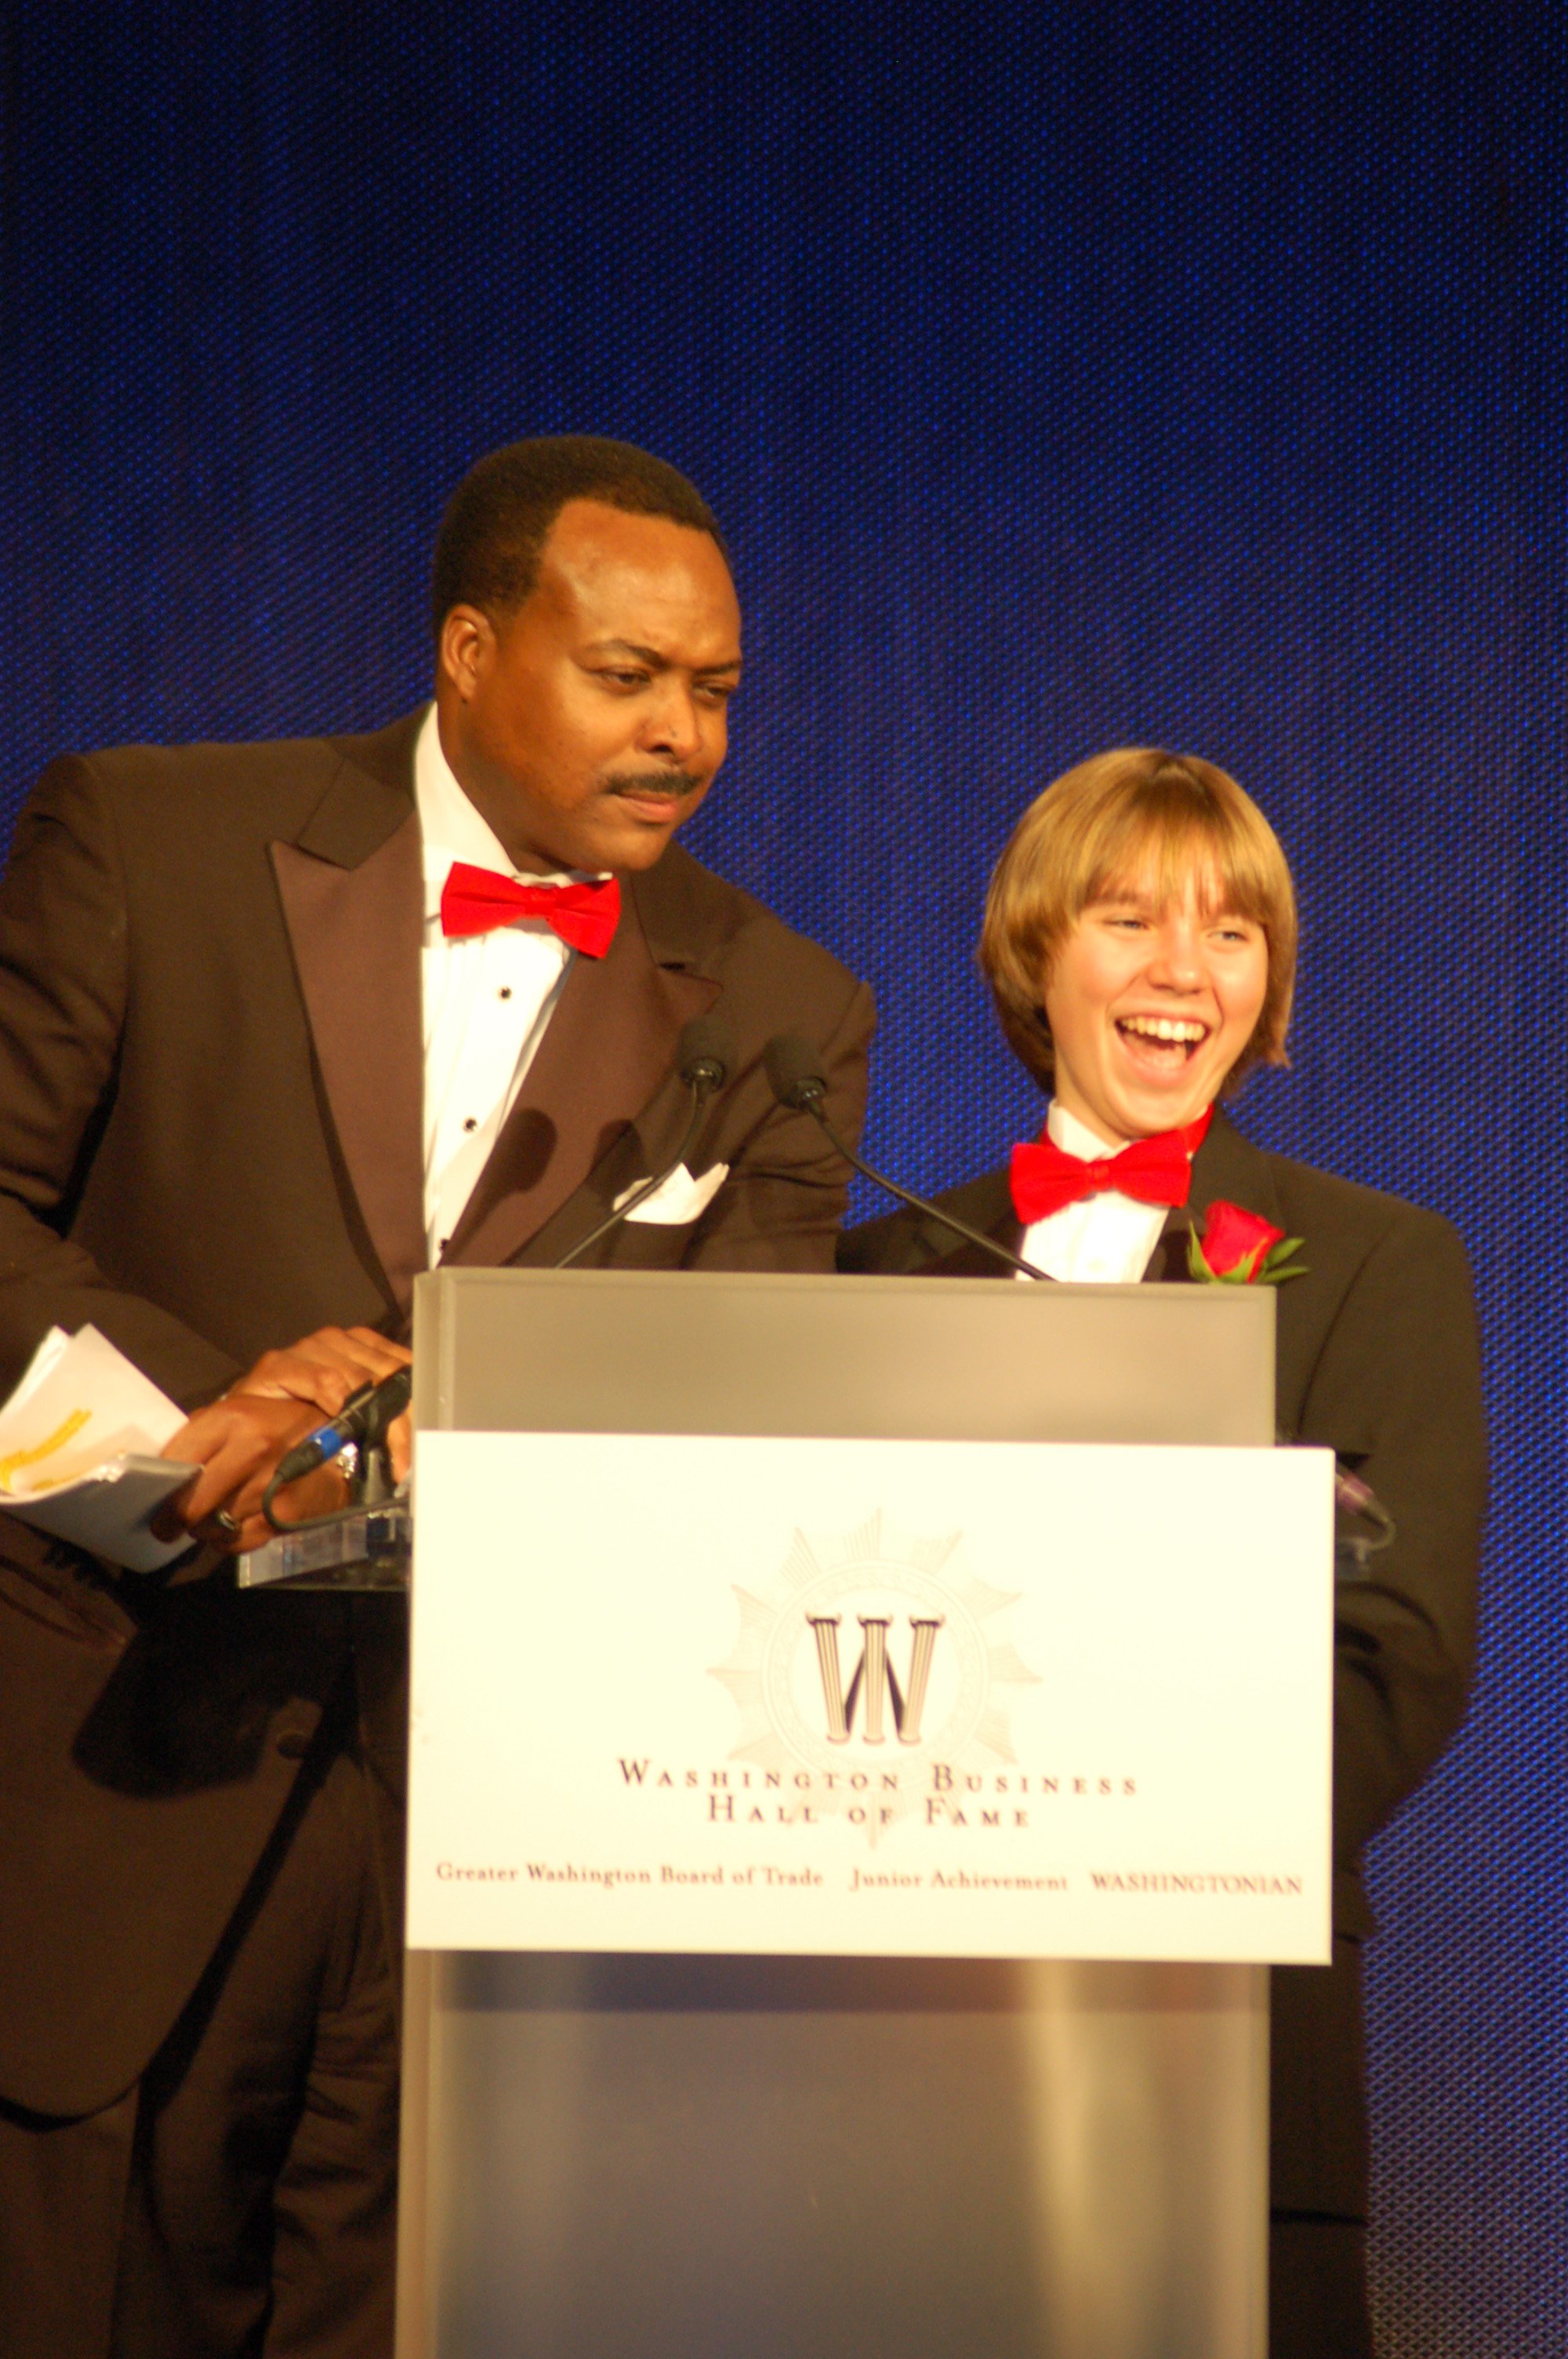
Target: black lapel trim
x=687, y=914
x=1227, y=1169
x=987, y=1204
x=356, y=935
x=368, y=797
x=352, y=887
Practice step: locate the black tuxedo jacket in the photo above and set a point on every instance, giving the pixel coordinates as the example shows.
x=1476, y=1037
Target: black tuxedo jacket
x=210, y=1143
x=1377, y=1359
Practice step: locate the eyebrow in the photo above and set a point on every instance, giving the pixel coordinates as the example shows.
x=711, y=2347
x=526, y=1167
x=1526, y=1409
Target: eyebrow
x=1132, y=898
x=653, y=659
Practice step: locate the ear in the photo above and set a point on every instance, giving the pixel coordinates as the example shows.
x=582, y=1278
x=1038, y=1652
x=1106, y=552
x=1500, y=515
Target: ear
x=465, y=650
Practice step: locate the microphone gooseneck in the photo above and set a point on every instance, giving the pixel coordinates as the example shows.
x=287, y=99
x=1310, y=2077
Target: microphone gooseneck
x=704, y=1055
x=795, y=1074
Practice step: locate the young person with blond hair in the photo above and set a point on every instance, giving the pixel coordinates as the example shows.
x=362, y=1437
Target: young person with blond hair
x=1139, y=940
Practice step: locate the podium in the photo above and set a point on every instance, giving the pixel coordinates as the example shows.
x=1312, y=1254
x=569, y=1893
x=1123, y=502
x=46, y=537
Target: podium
x=798, y=2147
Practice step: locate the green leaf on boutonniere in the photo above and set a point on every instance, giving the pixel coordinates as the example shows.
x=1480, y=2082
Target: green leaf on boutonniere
x=1262, y=1265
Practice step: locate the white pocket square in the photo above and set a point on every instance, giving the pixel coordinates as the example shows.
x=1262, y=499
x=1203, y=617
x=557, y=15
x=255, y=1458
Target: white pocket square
x=679, y=1198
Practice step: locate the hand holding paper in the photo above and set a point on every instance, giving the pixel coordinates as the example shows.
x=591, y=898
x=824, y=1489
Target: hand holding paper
x=81, y=1439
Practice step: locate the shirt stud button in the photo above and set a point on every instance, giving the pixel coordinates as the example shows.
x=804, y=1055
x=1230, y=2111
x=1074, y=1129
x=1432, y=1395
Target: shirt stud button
x=470, y=1123
x=505, y=990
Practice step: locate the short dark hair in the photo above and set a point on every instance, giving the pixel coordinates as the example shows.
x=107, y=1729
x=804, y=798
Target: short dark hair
x=499, y=518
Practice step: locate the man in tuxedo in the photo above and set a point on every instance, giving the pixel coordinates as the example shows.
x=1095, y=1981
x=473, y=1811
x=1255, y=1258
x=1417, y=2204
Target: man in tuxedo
x=1140, y=942
x=281, y=1026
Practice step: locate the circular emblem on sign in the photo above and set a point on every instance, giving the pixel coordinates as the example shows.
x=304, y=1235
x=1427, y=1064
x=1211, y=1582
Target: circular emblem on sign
x=864, y=1660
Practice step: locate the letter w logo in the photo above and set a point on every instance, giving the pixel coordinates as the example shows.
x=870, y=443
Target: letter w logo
x=874, y=1675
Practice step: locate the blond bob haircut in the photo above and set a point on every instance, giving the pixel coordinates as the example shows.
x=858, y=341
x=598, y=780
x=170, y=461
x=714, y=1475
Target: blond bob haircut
x=1141, y=817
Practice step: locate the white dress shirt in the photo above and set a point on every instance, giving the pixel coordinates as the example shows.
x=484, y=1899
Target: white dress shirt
x=1106, y=1239
x=487, y=1000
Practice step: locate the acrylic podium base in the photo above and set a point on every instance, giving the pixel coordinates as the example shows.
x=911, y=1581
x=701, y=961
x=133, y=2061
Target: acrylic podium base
x=622, y=2157
x=364, y=1547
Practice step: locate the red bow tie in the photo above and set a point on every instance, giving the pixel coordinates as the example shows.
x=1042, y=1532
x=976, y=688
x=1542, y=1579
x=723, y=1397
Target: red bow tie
x=477, y=900
x=1152, y=1170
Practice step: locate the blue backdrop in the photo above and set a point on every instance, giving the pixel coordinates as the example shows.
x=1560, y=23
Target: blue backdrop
x=1065, y=374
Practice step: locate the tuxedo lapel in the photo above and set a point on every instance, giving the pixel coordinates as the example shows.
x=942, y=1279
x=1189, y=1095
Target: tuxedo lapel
x=968, y=1261
x=352, y=889
x=1237, y=1173
x=1227, y=1169
x=598, y=1075
x=352, y=892
x=987, y=1205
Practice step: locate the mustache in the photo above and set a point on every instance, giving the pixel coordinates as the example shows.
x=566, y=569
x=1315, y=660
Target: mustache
x=651, y=782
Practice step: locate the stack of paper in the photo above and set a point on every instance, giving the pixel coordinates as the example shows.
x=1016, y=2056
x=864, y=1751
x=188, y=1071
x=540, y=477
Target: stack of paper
x=79, y=1444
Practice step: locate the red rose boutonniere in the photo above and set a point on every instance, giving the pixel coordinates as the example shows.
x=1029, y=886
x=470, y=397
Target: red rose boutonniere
x=1240, y=1249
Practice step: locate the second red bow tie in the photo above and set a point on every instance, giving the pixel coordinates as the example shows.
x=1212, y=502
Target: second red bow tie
x=1156, y=1171
x=479, y=900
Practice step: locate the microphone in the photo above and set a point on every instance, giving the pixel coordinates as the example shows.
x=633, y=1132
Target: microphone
x=1357, y=1503
x=363, y=1420
x=795, y=1071
x=1363, y=1527
x=704, y=1054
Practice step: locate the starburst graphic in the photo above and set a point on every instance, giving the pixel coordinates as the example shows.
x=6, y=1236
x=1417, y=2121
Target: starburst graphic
x=866, y=1660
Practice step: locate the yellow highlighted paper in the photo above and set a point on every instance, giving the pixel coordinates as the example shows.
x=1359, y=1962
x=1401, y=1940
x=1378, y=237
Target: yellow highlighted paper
x=17, y=1459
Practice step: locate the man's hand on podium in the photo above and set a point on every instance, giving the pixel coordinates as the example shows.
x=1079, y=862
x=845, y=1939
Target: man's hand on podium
x=238, y=1441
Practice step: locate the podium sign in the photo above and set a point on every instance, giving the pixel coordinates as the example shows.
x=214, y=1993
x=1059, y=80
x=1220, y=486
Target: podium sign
x=871, y=1698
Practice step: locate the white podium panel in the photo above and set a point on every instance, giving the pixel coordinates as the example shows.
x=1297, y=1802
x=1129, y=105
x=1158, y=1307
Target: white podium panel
x=871, y=1698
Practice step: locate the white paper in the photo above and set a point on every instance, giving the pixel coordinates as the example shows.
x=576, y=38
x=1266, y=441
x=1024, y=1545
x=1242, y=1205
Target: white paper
x=44, y=1359
x=677, y=1200
x=621, y=1730
x=80, y=1443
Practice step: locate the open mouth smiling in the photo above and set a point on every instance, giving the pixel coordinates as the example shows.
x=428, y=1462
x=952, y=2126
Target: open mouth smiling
x=1170, y=1040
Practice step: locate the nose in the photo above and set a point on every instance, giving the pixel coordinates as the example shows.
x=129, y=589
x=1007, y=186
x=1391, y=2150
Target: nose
x=1176, y=963
x=674, y=724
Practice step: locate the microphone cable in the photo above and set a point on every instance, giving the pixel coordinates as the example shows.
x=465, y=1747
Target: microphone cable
x=363, y=1420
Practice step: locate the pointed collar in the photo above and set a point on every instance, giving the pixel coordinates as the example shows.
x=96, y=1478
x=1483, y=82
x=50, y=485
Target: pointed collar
x=452, y=828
